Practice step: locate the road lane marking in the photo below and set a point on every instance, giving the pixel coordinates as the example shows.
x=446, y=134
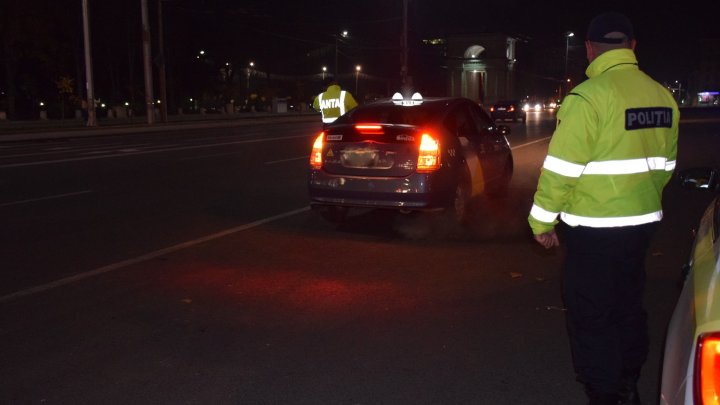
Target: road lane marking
x=531, y=143
x=145, y=152
x=209, y=156
x=80, y=149
x=272, y=162
x=50, y=197
x=125, y=263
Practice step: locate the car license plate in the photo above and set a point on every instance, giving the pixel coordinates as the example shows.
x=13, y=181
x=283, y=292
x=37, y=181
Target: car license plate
x=359, y=158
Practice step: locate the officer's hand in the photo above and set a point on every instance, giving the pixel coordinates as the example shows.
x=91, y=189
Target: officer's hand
x=548, y=239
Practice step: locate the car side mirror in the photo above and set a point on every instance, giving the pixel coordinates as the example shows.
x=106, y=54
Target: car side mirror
x=701, y=178
x=504, y=129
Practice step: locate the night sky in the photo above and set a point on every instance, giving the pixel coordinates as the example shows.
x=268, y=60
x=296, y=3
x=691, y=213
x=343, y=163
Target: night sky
x=666, y=33
x=297, y=37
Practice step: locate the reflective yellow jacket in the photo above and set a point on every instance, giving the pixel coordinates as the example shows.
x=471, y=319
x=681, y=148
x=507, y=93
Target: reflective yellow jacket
x=613, y=151
x=333, y=103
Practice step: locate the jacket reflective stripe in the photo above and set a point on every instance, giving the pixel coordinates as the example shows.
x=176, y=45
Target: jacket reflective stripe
x=563, y=167
x=629, y=166
x=342, y=102
x=608, y=167
x=328, y=120
x=546, y=216
x=542, y=214
x=607, y=222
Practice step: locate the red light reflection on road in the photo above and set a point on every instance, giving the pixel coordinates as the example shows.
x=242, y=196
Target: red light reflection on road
x=295, y=290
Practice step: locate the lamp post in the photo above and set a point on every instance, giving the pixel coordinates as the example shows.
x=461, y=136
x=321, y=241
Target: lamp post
x=343, y=34
x=91, y=119
x=249, y=70
x=357, y=74
x=247, y=85
x=679, y=89
x=567, y=48
x=147, y=65
x=324, y=70
x=161, y=65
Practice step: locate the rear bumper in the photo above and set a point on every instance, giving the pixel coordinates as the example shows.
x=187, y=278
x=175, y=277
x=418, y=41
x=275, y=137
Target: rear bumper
x=417, y=191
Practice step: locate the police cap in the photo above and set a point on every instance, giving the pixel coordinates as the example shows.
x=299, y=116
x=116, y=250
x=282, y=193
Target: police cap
x=606, y=23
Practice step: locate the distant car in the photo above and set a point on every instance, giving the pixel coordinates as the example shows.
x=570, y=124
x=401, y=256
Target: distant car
x=432, y=154
x=532, y=106
x=508, y=110
x=691, y=363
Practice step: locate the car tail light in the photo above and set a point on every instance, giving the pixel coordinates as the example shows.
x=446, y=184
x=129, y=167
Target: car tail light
x=369, y=129
x=707, y=370
x=492, y=108
x=511, y=108
x=316, y=154
x=429, y=154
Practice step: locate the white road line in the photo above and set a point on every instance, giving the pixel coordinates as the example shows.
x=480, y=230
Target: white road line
x=50, y=197
x=279, y=138
x=531, y=143
x=119, y=265
x=209, y=156
x=272, y=162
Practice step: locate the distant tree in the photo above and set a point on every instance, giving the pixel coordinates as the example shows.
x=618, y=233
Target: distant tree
x=35, y=45
x=66, y=91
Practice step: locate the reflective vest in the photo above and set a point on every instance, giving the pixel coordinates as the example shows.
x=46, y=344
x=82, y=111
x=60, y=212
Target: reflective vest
x=333, y=103
x=612, y=152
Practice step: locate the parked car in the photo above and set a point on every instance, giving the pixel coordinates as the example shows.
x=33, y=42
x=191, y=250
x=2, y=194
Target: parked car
x=508, y=110
x=432, y=154
x=691, y=363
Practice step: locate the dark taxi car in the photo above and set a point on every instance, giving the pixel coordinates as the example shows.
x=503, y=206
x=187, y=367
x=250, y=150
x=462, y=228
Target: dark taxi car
x=409, y=155
x=508, y=110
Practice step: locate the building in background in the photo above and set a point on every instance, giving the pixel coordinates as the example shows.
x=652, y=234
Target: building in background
x=481, y=67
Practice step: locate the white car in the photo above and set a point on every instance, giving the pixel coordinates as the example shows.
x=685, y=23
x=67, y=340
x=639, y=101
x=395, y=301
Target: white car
x=691, y=364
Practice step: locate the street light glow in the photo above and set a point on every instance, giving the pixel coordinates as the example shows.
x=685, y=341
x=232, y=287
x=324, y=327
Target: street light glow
x=568, y=35
x=357, y=74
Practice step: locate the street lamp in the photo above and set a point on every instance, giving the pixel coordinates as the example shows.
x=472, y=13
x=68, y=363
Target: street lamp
x=324, y=70
x=250, y=66
x=679, y=89
x=567, y=47
x=343, y=34
x=357, y=74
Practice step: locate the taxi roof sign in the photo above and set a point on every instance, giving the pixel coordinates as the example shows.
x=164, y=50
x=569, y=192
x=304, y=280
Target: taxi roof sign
x=416, y=99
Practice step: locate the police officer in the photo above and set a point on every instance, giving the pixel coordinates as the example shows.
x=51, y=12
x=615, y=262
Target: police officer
x=334, y=102
x=612, y=153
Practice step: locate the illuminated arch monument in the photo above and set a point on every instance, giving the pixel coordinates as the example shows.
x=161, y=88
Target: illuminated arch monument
x=481, y=67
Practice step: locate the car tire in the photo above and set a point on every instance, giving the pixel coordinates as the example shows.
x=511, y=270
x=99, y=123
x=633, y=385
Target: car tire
x=461, y=202
x=334, y=214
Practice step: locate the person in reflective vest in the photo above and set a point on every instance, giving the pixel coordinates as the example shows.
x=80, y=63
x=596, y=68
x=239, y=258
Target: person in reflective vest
x=612, y=153
x=333, y=102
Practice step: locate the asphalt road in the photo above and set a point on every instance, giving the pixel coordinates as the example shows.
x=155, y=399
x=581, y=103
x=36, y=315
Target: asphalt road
x=185, y=267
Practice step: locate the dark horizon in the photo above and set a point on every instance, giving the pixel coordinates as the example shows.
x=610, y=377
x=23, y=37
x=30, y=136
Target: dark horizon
x=43, y=41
